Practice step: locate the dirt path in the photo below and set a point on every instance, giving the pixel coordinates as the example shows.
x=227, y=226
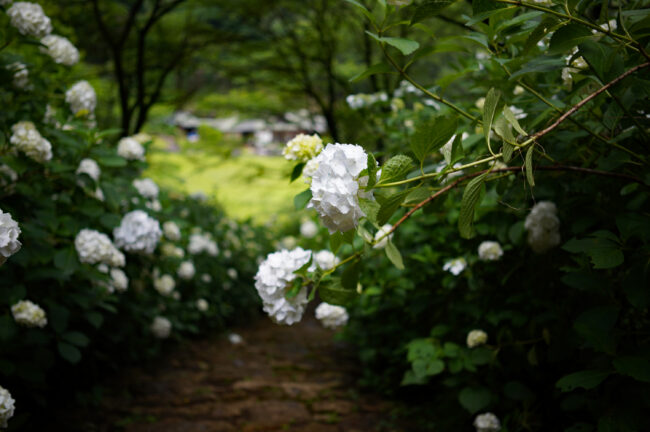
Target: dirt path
x=279, y=379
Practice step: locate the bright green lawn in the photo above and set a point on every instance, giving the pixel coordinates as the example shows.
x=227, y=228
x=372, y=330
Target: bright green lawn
x=246, y=186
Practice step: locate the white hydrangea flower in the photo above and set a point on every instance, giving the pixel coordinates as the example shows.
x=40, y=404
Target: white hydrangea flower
x=325, y=260
x=146, y=187
x=154, y=205
x=29, y=314
x=142, y=137
x=336, y=185
x=308, y=229
x=7, y=407
x=490, y=251
x=289, y=242
x=487, y=422
x=235, y=339
x=171, y=250
x=82, y=98
x=518, y=90
x=119, y=280
x=331, y=316
x=29, y=19
x=273, y=280
x=138, y=232
x=129, y=148
x=445, y=150
x=161, y=327
x=9, y=232
x=202, y=305
x=21, y=75
x=480, y=103
x=202, y=243
x=94, y=247
x=232, y=273
x=99, y=194
x=303, y=147
x=610, y=25
x=476, y=338
x=567, y=78
x=171, y=231
x=543, y=227
x=61, y=50
x=518, y=112
x=165, y=285
x=455, y=266
x=28, y=140
x=206, y=278
x=309, y=169
x=381, y=233
x=89, y=167
x=186, y=270
x=7, y=175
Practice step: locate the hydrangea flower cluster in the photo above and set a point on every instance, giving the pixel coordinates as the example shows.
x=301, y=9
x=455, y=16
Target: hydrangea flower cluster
x=138, y=232
x=455, y=266
x=476, y=338
x=7, y=407
x=118, y=279
x=303, y=147
x=232, y=273
x=28, y=140
x=61, y=50
x=487, y=422
x=171, y=250
x=129, y=148
x=147, y=188
x=171, y=231
x=89, y=167
x=331, y=316
x=543, y=227
x=9, y=232
x=325, y=260
x=381, y=233
x=165, y=285
x=490, y=251
x=94, y=247
x=82, y=99
x=29, y=314
x=161, y=327
x=336, y=185
x=200, y=243
x=308, y=229
x=274, y=278
x=186, y=270
x=29, y=19
x=202, y=305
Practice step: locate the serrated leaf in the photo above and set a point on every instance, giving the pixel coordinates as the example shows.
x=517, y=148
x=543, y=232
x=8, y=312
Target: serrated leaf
x=429, y=9
x=394, y=255
x=297, y=171
x=379, y=68
x=406, y=46
x=334, y=293
x=457, y=151
x=529, y=165
x=509, y=115
x=471, y=197
x=370, y=208
x=504, y=130
x=371, y=171
x=430, y=135
x=587, y=380
x=396, y=168
x=301, y=200
x=567, y=37
x=489, y=110
x=391, y=205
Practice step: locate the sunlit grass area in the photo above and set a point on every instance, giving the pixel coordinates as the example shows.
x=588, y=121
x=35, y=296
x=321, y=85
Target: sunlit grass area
x=246, y=185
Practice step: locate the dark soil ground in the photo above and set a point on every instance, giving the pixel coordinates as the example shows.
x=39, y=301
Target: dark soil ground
x=279, y=379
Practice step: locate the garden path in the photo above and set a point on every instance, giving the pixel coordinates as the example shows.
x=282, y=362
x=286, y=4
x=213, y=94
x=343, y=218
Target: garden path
x=279, y=379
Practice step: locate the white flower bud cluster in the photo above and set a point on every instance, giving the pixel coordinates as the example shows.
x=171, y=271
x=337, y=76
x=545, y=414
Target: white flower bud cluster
x=165, y=285
x=186, y=270
x=94, y=247
x=9, y=232
x=147, y=188
x=360, y=100
x=336, y=185
x=29, y=19
x=200, y=243
x=171, y=250
x=138, y=232
x=331, y=316
x=273, y=280
x=7, y=407
x=28, y=140
x=21, y=75
x=232, y=273
x=381, y=233
x=490, y=251
x=476, y=338
x=455, y=266
x=119, y=281
x=308, y=229
x=325, y=259
x=171, y=231
x=89, y=167
x=303, y=147
x=29, y=314
x=202, y=305
x=543, y=227
x=161, y=327
x=60, y=49
x=82, y=99
x=129, y=148
x=487, y=422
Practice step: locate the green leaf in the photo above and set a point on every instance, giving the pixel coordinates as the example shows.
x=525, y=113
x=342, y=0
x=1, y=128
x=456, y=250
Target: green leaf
x=336, y=240
x=457, y=151
x=529, y=165
x=350, y=276
x=394, y=256
x=423, y=367
x=379, y=68
x=58, y=317
x=297, y=171
x=432, y=134
x=363, y=9
x=76, y=338
x=66, y=260
x=7, y=327
x=406, y=46
x=390, y=206
x=596, y=326
x=112, y=161
x=635, y=367
x=429, y=9
x=587, y=380
x=396, y=168
x=370, y=208
x=471, y=197
x=69, y=352
x=567, y=37
x=489, y=109
x=95, y=319
x=602, y=247
x=504, y=130
x=509, y=115
x=301, y=200
x=371, y=171
x=334, y=293
x=474, y=399
x=480, y=6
